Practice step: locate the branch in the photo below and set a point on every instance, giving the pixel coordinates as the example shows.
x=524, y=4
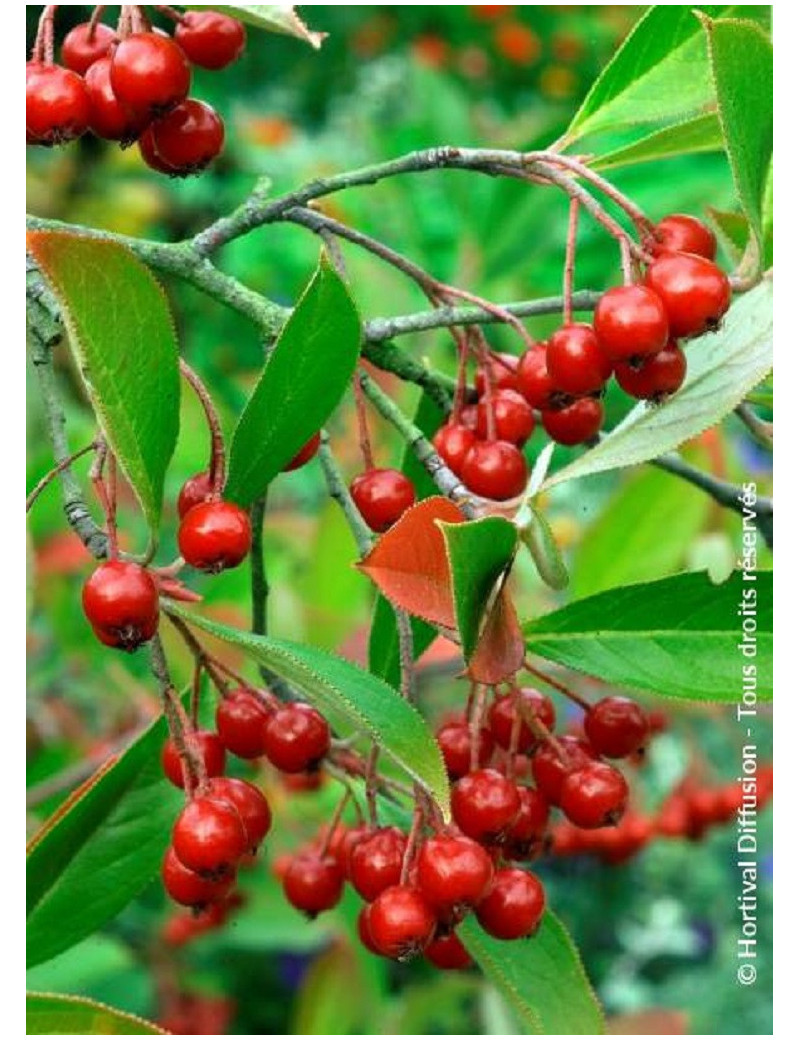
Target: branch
x=338, y=491
x=259, y=590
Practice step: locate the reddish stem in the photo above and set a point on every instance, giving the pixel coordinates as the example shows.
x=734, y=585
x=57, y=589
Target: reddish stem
x=169, y=12
x=194, y=704
x=363, y=425
x=335, y=820
x=106, y=504
x=97, y=14
x=516, y=729
x=371, y=785
x=475, y=724
x=181, y=733
x=216, y=466
x=556, y=685
x=569, y=259
x=413, y=840
x=626, y=262
x=54, y=472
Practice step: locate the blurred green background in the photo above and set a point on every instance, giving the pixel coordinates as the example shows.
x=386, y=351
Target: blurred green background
x=658, y=932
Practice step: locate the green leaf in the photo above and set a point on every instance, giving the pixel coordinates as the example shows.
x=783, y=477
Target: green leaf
x=741, y=62
x=700, y=134
x=56, y=1015
x=669, y=515
x=279, y=18
x=722, y=367
x=334, y=684
x=100, y=849
x=732, y=231
x=678, y=637
x=121, y=333
x=542, y=978
x=478, y=552
x=303, y=380
x=545, y=553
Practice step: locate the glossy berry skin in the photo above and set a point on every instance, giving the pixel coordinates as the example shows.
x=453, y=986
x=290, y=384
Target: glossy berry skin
x=681, y=233
x=448, y=953
x=147, y=150
x=215, y=536
x=576, y=423
x=513, y=419
x=313, y=883
x=377, y=861
x=56, y=104
x=150, y=73
x=364, y=934
x=382, y=496
x=190, y=889
x=550, y=768
x=617, y=727
x=121, y=602
x=197, y=489
x=694, y=291
x=527, y=831
x=485, y=804
x=296, y=737
x=188, y=137
x=495, y=470
x=453, y=873
x=575, y=360
x=211, y=750
x=656, y=377
x=109, y=119
x=503, y=369
x=453, y=442
x=249, y=802
x=534, y=381
x=595, y=795
x=350, y=839
x=209, y=836
x=240, y=723
x=631, y=321
x=209, y=39
x=454, y=742
x=80, y=50
x=306, y=453
x=400, y=922
x=513, y=906
x=503, y=711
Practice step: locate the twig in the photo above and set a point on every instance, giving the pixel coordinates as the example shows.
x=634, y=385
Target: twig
x=259, y=593
x=216, y=465
x=54, y=472
x=758, y=427
x=405, y=643
x=337, y=489
x=569, y=259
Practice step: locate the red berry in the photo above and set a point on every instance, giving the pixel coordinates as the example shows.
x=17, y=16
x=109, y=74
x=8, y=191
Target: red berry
x=448, y=953
x=400, y=922
x=495, y=470
x=616, y=727
x=209, y=39
x=190, y=889
x=296, y=738
x=344, y=849
x=513, y=419
x=56, y=104
x=527, y=831
x=552, y=763
x=208, y=745
x=453, y=873
x=694, y=291
x=313, y=883
x=503, y=369
x=534, y=381
x=307, y=452
x=240, y=723
x=214, y=536
x=513, y=906
x=468, y=416
x=382, y=496
x=485, y=804
x=107, y=117
x=575, y=360
x=680, y=233
x=575, y=423
x=249, y=802
x=631, y=322
x=84, y=45
x=454, y=740
x=364, y=934
x=594, y=795
x=452, y=442
x=376, y=862
x=188, y=137
x=656, y=376
x=504, y=710
x=147, y=150
x=121, y=602
x=149, y=72
x=209, y=836
x=197, y=489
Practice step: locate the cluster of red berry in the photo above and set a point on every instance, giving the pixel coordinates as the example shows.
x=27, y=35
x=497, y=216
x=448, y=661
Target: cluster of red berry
x=634, y=337
x=688, y=812
x=127, y=86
